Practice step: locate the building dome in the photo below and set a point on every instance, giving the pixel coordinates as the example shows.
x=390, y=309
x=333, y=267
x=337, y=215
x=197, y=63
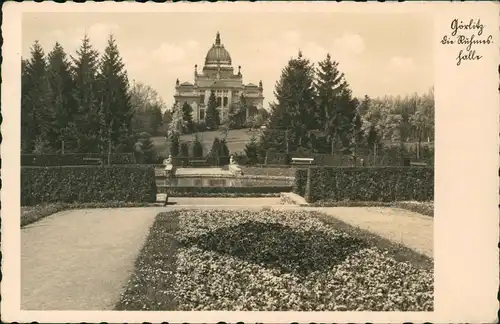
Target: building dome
x=218, y=54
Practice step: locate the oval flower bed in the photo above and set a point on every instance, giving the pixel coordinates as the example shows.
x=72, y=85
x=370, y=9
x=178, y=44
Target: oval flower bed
x=269, y=260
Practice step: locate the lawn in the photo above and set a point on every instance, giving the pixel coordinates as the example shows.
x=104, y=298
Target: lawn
x=236, y=140
x=32, y=214
x=273, y=260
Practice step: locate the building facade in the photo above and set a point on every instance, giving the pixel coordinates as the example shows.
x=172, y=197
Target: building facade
x=217, y=75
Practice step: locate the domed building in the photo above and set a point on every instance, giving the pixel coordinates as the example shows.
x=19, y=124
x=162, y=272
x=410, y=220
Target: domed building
x=218, y=75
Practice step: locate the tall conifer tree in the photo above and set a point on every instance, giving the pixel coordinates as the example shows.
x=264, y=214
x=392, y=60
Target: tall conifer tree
x=85, y=93
x=115, y=106
x=65, y=108
x=187, y=116
x=336, y=108
x=293, y=115
x=37, y=112
x=212, y=117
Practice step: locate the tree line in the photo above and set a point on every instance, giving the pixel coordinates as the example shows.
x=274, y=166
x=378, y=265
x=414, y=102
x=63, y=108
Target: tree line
x=85, y=103
x=315, y=111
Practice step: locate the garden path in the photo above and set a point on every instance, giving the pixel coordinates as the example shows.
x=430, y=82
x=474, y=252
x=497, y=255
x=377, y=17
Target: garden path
x=81, y=259
x=398, y=225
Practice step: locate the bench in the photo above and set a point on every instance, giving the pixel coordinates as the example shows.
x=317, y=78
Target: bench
x=302, y=161
x=95, y=161
x=198, y=162
x=418, y=164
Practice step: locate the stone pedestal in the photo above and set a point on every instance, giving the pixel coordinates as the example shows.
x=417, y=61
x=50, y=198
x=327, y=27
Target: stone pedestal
x=235, y=169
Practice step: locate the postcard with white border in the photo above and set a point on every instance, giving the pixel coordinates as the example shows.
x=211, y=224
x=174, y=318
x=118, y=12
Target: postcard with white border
x=254, y=162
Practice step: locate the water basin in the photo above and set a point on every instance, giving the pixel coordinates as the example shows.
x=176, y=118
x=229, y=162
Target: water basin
x=221, y=182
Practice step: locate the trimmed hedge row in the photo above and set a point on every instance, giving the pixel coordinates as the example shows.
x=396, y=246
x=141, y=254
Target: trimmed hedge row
x=69, y=184
x=223, y=191
x=74, y=159
x=367, y=184
x=387, y=156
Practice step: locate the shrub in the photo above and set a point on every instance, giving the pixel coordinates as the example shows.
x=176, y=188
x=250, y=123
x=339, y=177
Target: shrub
x=251, y=151
x=180, y=161
x=184, y=151
x=299, y=184
x=74, y=159
x=87, y=184
x=147, y=151
x=197, y=147
x=200, y=127
x=273, y=157
x=174, y=145
x=219, y=154
x=240, y=158
x=224, y=150
x=367, y=184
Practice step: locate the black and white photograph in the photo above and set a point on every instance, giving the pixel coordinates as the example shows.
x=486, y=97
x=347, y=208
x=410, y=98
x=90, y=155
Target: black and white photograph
x=240, y=161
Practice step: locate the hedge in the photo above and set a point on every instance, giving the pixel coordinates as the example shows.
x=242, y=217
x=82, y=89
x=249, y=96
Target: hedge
x=386, y=156
x=74, y=159
x=82, y=184
x=223, y=191
x=367, y=184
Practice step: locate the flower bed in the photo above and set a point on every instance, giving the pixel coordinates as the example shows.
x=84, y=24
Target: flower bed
x=273, y=260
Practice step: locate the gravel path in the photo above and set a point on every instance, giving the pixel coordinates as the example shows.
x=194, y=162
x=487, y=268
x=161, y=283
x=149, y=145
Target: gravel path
x=398, y=225
x=80, y=259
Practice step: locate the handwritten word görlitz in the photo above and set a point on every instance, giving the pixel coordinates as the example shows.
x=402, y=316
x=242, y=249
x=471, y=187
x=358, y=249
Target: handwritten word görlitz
x=468, y=35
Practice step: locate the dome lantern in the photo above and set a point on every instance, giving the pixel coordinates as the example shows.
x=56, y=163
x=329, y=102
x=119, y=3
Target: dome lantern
x=217, y=54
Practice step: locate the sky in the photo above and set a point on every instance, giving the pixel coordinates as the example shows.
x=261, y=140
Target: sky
x=380, y=54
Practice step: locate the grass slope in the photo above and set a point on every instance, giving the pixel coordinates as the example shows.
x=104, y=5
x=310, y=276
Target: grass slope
x=236, y=140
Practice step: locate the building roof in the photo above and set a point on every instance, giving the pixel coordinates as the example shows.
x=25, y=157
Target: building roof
x=217, y=54
x=251, y=85
x=186, y=84
x=223, y=84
